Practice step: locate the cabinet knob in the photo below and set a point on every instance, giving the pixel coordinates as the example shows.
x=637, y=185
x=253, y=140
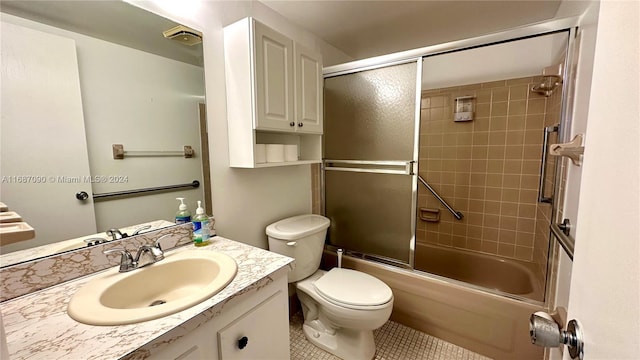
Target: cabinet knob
x=300, y=124
x=292, y=124
x=242, y=342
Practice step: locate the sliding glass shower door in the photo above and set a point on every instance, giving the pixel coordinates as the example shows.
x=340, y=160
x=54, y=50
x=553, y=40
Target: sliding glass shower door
x=370, y=153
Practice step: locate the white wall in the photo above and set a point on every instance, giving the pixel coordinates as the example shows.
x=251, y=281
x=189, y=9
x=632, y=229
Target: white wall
x=583, y=64
x=605, y=281
x=145, y=102
x=245, y=201
x=43, y=135
x=497, y=62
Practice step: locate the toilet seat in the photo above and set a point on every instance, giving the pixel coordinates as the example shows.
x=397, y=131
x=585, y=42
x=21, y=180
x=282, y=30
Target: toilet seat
x=353, y=289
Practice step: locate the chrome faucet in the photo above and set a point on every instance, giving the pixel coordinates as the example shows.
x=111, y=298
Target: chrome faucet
x=155, y=254
x=128, y=262
x=117, y=234
x=114, y=233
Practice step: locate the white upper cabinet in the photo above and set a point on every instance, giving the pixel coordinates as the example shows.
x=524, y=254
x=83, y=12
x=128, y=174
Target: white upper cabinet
x=274, y=94
x=274, y=74
x=308, y=69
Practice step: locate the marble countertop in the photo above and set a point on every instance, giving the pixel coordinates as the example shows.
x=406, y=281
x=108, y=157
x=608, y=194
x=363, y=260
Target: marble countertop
x=38, y=327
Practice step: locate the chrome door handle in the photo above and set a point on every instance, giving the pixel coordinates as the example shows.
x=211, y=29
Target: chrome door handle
x=545, y=332
x=379, y=167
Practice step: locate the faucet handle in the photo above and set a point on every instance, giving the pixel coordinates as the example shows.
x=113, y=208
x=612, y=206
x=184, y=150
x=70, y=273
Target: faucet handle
x=140, y=229
x=126, y=260
x=114, y=234
x=157, y=243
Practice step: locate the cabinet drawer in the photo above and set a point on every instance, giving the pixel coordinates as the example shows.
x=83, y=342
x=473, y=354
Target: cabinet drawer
x=262, y=333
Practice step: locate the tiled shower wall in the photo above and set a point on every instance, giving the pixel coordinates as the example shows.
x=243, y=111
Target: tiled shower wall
x=487, y=168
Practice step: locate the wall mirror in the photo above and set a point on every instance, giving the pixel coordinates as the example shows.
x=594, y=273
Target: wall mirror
x=77, y=78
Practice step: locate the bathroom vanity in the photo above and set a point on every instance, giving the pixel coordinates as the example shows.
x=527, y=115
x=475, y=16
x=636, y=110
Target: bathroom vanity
x=248, y=317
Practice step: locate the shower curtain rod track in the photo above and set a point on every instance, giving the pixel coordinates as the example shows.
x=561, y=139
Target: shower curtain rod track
x=457, y=214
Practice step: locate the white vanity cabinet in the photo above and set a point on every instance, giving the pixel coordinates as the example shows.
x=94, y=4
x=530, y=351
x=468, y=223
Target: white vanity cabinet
x=252, y=326
x=274, y=94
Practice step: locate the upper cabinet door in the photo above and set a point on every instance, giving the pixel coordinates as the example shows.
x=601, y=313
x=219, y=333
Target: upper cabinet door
x=308, y=67
x=274, y=80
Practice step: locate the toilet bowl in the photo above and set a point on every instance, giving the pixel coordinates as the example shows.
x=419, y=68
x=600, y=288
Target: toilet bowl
x=341, y=307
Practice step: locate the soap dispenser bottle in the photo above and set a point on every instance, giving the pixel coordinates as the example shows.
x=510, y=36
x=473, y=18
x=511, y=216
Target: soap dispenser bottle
x=200, y=227
x=183, y=215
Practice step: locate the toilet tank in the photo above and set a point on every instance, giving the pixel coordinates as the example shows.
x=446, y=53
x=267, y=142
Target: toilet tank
x=302, y=238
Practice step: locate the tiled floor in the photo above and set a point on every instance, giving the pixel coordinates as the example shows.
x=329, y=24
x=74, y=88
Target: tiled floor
x=393, y=342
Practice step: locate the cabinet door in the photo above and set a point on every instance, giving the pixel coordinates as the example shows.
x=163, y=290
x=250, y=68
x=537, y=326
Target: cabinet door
x=308, y=68
x=274, y=80
x=262, y=333
x=182, y=351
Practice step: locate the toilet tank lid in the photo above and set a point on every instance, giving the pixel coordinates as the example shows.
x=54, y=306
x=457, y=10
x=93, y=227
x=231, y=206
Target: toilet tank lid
x=350, y=287
x=297, y=227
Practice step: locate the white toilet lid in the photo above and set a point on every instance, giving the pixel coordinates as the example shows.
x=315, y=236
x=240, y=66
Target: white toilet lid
x=350, y=287
x=297, y=227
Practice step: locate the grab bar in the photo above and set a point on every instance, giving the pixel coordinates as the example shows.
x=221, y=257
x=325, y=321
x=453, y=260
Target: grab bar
x=194, y=184
x=377, y=167
x=543, y=164
x=457, y=214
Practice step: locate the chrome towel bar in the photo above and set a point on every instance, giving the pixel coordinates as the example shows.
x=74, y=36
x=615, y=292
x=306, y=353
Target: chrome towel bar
x=566, y=241
x=120, y=153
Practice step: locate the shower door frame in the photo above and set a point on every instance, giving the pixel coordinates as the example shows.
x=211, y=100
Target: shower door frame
x=570, y=25
x=413, y=167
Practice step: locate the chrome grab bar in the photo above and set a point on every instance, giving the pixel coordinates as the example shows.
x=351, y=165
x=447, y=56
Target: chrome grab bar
x=457, y=214
x=194, y=184
x=371, y=166
x=543, y=166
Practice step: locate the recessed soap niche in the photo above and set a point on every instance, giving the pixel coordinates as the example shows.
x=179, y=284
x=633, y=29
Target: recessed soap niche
x=464, y=108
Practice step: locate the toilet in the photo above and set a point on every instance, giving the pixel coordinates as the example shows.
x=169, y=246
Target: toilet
x=341, y=307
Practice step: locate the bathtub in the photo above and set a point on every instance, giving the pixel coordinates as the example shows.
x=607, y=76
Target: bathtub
x=489, y=324
x=504, y=275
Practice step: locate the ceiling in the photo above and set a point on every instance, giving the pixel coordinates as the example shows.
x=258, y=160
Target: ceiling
x=113, y=21
x=359, y=28
x=363, y=29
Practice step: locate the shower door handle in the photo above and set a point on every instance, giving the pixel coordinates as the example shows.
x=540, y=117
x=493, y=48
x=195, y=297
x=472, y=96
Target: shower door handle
x=378, y=167
x=543, y=164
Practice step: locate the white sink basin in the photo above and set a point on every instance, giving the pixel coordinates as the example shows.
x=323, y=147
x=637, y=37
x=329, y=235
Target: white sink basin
x=176, y=283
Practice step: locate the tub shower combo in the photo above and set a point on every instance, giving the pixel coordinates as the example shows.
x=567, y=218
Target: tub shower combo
x=444, y=174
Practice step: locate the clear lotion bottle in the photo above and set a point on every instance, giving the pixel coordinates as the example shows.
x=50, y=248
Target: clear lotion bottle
x=183, y=215
x=200, y=227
